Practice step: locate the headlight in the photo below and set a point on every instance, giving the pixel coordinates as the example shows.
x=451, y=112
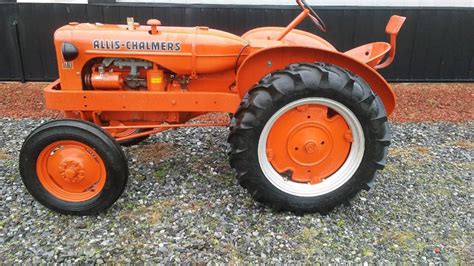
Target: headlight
x=69, y=51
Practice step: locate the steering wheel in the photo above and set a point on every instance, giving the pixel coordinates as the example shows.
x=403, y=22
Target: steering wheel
x=312, y=14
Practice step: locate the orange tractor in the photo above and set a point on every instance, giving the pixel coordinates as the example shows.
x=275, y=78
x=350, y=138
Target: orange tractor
x=309, y=124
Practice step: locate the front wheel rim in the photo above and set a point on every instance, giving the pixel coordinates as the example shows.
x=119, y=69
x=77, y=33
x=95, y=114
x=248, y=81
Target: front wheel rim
x=337, y=175
x=71, y=171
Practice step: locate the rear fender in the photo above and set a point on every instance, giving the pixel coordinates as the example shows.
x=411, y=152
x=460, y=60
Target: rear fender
x=264, y=61
x=294, y=37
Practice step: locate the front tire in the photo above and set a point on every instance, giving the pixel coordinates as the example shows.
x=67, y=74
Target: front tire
x=73, y=167
x=309, y=138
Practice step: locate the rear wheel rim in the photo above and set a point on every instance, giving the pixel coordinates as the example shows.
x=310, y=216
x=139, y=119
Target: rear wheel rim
x=71, y=171
x=320, y=153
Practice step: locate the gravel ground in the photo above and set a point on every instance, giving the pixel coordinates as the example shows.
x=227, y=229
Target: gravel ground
x=183, y=204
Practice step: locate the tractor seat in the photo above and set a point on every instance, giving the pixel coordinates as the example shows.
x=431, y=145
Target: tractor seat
x=370, y=54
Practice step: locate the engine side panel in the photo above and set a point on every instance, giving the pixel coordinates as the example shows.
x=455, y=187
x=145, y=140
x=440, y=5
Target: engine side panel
x=183, y=51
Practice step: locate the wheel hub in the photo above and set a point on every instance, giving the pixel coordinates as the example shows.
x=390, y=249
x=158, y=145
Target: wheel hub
x=309, y=143
x=310, y=147
x=71, y=171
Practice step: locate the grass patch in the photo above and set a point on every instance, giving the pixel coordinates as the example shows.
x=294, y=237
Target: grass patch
x=399, y=240
x=367, y=252
x=249, y=202
x=210, y=222
x=439, y=191
x=153, y=213
x=162, y=170
x=411, y=156
x=390, y=168
x=467, y=166
x=2, y=223
x=227, y=179
x=410, y=151
x=310, y=241
x=308, y=234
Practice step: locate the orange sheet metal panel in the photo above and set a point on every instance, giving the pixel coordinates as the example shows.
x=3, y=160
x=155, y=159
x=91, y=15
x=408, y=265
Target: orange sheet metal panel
x=267, y=60
x=182, y=50
x=151, y=101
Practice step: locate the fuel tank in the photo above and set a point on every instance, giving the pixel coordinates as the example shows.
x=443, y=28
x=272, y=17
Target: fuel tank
x=182, y=50
x=260, y=38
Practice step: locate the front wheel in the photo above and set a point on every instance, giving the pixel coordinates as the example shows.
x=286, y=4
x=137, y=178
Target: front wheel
x=73, y=167
x=309, y=138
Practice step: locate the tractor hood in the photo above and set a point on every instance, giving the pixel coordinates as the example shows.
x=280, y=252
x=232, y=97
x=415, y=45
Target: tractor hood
x=183, y=50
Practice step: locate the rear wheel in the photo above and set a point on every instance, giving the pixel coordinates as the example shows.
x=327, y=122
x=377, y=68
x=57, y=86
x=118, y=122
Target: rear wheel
x=73, y=167
x=309, y=138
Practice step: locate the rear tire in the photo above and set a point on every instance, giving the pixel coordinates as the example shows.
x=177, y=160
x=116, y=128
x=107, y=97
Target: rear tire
x=73, y=167
x=312, y=85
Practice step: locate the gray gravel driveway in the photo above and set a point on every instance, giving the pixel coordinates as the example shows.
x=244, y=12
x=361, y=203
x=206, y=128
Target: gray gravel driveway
x=183, y=204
